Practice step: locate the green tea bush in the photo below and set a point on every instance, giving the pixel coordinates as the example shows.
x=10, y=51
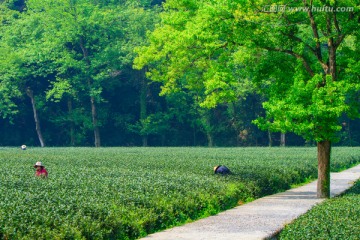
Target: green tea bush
x=336, y=218
x=127, y=193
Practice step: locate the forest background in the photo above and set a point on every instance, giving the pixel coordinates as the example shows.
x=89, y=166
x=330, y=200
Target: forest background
x=67, y=79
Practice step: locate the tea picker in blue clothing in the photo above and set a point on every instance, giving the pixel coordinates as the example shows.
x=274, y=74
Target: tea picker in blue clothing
x=221, y=169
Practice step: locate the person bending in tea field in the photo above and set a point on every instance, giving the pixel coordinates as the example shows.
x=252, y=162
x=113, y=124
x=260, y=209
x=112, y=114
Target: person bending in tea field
x=40, y=170
x=221, y=169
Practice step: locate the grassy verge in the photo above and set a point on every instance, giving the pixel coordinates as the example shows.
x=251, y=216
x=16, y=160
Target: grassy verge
x=336, y=218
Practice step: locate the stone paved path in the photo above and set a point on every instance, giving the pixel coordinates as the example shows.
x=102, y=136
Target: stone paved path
x=261, y=218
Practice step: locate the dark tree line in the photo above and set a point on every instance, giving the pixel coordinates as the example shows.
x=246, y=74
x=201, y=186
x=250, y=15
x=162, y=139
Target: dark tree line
x=66, y=79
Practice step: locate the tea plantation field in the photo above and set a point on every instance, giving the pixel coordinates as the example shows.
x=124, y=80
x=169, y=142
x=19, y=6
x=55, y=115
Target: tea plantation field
x=126, y=193
x=335, y=218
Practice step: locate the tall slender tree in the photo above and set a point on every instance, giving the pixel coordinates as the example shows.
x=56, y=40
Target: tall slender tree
x=25, y=66
x=92, y=42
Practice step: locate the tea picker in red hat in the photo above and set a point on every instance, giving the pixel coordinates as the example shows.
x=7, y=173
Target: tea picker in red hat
x=40, y=170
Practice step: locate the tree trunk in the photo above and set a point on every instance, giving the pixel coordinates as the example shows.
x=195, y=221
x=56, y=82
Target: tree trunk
x=145, y=141
x=323, y=183
x=95, y=122
x=72, y=127
x=349, y=133
x=210, y=139
x=163, y=138
x=30, y=93
x=270, y=139
x=194, y=136
x=92, y=98
x=143, y=104
x=282, y=139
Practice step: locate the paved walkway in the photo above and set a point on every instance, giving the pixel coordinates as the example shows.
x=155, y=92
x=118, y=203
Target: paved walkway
x=261, y=218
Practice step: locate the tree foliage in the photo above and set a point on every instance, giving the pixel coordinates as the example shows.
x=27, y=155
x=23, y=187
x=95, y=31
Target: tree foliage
x=206, y=47
x=214, y=64
x=193, y=48
x=215, y=48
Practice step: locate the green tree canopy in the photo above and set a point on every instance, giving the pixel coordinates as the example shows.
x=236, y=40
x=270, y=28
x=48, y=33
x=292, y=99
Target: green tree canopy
x=71, y=48
x=215, y=48
x=194, y=49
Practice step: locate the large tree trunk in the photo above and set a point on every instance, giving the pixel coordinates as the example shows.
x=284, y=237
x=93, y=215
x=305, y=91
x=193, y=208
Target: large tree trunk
x=30, y=93
x=323, y=154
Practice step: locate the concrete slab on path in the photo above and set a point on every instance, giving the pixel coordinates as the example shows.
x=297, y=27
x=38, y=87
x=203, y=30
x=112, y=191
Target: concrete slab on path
x=261, y=218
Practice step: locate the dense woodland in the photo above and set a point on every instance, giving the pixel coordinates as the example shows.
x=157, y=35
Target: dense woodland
x=67, y=78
